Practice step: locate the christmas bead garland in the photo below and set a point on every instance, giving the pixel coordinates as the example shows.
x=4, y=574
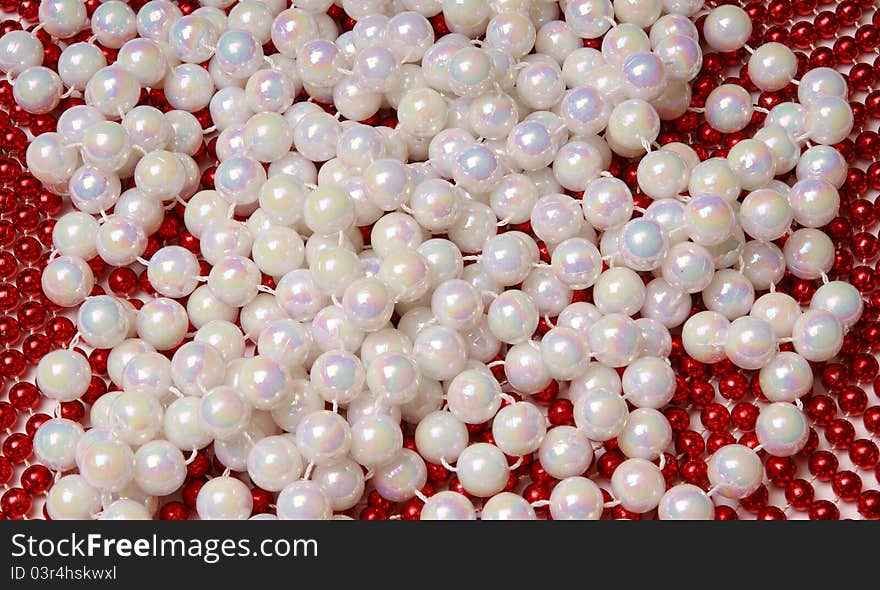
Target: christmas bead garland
x=521, y=269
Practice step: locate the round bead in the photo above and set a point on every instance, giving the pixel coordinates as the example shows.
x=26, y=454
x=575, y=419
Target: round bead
x=735, y=471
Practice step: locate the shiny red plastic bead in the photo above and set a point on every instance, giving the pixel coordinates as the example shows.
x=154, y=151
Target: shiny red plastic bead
x=864, y=453
x=840, y=433
x=174, y=511
x=780, y=470
x=15, y=503
x=37, y=479
x=724, y=512
x=823, y=510
x=799, y=493
x=869, y=504
x=24, y=396
x=846, y=485
x=17, y=447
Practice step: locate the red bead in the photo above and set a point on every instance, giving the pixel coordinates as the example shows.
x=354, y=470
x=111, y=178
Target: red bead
x=864, y=246
x=757, y=500
x=6, y=470
x=780, y=470
x=17, y=447
x=37, y=479
x=733, y=386
x=852, y=400
x=864, y=367
x=821, y=409
x=702, y=392
x=191, y=492
x=608, y=462
x=15, y=503
x=871, y=419
x=716, y=440
x=799, y=493
x=869, y=504
x=690, y=443
x=803, y=35
x=437, y=473
x=771, y=513
x=174, y=511
x=8, y=416
x=375, y=499
x=864, y=453
x=695, y=472
x=538, y=474
x=12, y=363
x=199, y=466
x=823, y=465
x=122, y=282
x=846, y=485
x=261, y=500
x=561, y=413
x=723, y=512
x=412, y=509
x=840, y=433
x=24, y=396
x=34, y=422
x=715, y=417
x=824, y=510
x=834, y=376
x=373, y=513
x=863, y=278
x=678, y=418
x=73, y=410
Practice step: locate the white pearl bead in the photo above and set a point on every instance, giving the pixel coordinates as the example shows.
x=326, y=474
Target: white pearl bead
x=576, y=498
x=224, y=498
x=735, y=471
x=399, y=479
x=638, y=485
x=685, y=502
x=482, y=470
x=507, y=506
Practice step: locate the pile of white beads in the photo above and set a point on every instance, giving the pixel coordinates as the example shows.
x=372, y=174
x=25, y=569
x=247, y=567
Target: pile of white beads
x=500, y=122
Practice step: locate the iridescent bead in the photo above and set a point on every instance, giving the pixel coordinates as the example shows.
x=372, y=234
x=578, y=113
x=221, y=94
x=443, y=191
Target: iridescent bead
x=113, y=91
x=829, y=119
x=638, y=485
x=809, y=253
x=615, y=340
x=730, y=293
x=841, y=299
x=665, y=303
x=822, y=162
x=688, y=266
x=752, y=162
x=765, y=215
x=782, y=429
x=576, y=498
x=817, y=335
x=772, y=67
x=821, y=82
x=786, y=377
x=685, y=502
x=704, y=336
x=814, y=202
x=729, y=108
x=710, y=220
x=727, y=28
x=735, y=471
x=589, y=18
x=20, y=50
